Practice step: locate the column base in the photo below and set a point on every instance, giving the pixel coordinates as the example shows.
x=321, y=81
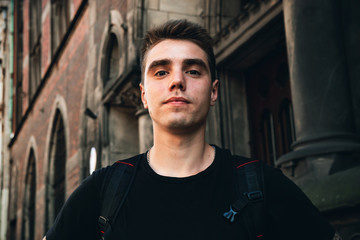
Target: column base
x=320, y=145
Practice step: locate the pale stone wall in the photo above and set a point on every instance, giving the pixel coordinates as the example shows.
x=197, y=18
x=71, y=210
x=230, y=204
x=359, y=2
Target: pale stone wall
x=159, y=11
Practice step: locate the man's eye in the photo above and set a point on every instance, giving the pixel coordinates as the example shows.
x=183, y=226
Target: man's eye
x=160, y=73
x=193, y=72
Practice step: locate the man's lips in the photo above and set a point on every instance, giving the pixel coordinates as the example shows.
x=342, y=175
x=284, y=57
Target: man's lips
x=176, y=100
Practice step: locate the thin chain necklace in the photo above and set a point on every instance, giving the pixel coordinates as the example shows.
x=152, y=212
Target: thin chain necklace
x=148, y=154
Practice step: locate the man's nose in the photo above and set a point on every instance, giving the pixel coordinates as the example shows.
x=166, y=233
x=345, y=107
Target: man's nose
x=177, y=81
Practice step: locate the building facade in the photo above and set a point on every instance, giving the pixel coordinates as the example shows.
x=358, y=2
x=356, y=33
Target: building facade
x=290, y=95
x=5, y=108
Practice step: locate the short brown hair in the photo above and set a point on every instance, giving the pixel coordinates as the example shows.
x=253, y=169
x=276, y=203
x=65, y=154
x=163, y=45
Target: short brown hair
x=182, y=30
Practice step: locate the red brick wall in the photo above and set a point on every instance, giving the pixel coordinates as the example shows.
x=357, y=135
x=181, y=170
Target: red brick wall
x=67, y=79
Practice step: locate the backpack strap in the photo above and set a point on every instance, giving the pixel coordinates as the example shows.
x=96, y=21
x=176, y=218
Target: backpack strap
x=250, y=184
x=115, y=187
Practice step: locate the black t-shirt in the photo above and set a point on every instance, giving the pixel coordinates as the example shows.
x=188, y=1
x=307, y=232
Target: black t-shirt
x=160, y=207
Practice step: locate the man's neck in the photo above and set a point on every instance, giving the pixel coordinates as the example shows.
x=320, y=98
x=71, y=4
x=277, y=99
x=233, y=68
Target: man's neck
x=180, y=155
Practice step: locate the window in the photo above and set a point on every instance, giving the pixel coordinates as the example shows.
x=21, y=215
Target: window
x=270, y=108
x=13, y=196
x=113, y=56
x=59, y=22
x=119, y=121
x=28, y=220
x=112, y=59
x=35, y=46
x=12, y=232
x=19, y=62
x=92, y=160
x=57, y=166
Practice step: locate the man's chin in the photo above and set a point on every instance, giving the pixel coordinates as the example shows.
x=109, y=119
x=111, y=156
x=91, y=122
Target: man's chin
x=179, y=125
x=183, y=126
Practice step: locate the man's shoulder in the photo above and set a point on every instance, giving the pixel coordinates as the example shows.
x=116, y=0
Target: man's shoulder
x=101, y=175
x=243, y=165
x=131, y=162
x=235, y=159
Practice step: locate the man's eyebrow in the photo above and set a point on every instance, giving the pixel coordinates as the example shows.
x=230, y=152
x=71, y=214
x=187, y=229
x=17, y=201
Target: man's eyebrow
x=195, y=61
x=157, y=63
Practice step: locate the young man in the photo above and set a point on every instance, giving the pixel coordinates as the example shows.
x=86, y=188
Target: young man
x=183, y=186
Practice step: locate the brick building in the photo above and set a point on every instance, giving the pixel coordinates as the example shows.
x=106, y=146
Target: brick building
x=289, y=73
x=5, y=108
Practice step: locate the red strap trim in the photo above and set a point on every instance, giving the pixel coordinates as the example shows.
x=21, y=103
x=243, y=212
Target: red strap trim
x=125, y=163
x=241, y=165
x=260, y=235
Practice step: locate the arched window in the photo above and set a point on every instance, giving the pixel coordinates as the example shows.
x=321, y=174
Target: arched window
x=113, y=56
x=28, y=218
x=35, y=46
x=119, y=128
x=92, y=160
x=19, y=61
x=13, y=200
x=60, y=19
x=57, y=166
x=270, y=110
x=112, y=59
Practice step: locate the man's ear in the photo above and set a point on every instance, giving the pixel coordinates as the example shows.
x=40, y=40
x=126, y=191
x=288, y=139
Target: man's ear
x=143, y=97
x=214, y=92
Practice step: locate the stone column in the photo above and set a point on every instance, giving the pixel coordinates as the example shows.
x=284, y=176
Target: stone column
x=320, y=86
x=145, y=130
x=351, y=23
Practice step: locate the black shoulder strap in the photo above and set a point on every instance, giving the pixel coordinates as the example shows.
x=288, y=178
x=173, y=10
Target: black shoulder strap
x=115, y=187
x=250, y=184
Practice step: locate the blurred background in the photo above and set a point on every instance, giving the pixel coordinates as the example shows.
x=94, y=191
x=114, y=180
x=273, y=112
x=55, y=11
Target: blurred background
x=69, y=100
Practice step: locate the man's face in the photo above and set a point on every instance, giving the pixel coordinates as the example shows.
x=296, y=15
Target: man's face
x=177, y=86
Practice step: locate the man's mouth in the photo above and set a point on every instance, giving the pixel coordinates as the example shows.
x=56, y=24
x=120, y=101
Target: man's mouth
x=176, y=100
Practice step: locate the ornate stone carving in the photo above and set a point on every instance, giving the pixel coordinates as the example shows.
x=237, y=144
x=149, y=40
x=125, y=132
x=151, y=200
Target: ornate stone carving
x=127, y=97
x=247, y=8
